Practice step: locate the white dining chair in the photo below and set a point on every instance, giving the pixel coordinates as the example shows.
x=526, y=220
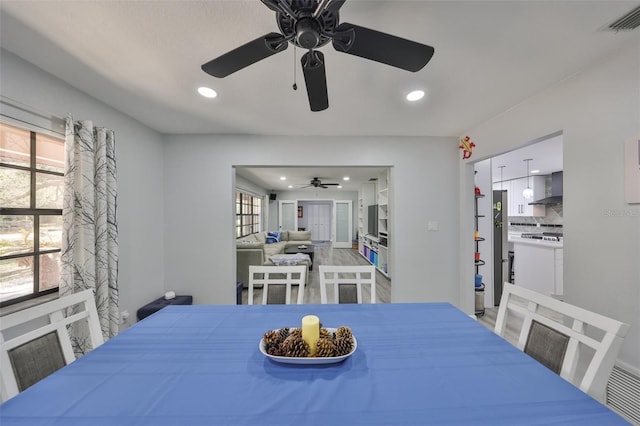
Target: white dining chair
x=347, y=283
x=277, y=283
x=35, y=342
x=558, y=335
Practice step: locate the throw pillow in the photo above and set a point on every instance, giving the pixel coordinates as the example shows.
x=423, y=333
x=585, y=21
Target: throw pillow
x=273, y=237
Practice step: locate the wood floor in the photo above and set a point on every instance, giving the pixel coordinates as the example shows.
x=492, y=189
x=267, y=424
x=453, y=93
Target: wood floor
x=325, y=254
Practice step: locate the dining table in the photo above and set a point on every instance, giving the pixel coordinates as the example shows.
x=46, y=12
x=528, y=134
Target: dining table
x=414, y=364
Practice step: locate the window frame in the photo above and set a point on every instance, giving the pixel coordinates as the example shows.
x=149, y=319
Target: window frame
x=36, y=253
x=248, y=218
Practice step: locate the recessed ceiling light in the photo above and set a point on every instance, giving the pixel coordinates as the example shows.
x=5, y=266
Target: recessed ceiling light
x=339, y=186
x=290, y=186
x=416, y=95
x=535, y=171
x=283, y=178
x=345, y=178
x=207, y=92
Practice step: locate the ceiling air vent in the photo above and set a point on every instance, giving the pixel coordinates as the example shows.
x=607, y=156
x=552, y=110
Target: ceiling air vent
x=628, y=22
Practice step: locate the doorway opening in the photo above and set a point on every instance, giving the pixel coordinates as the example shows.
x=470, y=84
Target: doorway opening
x=504, y=179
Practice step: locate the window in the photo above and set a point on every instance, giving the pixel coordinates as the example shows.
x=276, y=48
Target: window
x=248, y=214
x=32, y=182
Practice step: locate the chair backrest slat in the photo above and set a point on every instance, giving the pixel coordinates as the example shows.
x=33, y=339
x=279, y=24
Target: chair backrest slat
x=347, y=281
x=273, y=279
x=603, y=335
x=29, y=326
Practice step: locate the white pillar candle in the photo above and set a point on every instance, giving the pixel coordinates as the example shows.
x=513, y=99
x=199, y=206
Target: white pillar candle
x=311, y=332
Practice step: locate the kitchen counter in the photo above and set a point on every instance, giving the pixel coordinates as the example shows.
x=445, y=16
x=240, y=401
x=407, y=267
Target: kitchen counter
x=538, y=265
x=531, y=241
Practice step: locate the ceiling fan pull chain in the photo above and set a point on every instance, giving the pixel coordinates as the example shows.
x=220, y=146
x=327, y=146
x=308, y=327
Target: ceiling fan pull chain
x=295, y=85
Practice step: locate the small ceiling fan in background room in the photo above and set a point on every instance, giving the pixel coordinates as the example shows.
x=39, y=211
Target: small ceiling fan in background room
x=317, y=183
x=310, y=24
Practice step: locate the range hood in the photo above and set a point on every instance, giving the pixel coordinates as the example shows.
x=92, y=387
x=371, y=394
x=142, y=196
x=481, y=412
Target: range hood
x=556, y=192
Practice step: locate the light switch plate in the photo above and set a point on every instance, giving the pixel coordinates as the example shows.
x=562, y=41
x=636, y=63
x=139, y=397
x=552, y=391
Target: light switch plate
x=432, y=225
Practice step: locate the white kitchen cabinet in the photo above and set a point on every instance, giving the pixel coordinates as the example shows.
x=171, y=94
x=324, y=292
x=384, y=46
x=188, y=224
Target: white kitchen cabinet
x=538, y=265
x=518, y=205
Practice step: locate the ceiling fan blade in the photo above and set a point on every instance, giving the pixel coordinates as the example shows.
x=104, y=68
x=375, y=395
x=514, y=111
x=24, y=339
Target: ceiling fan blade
x=245, y=55
x=315, y=79
x=381, y=47
x=335, y=5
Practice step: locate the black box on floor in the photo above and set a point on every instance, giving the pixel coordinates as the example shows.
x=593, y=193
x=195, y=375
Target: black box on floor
x=156, y=305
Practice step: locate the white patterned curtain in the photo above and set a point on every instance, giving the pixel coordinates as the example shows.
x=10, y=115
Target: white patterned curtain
x=90, y=229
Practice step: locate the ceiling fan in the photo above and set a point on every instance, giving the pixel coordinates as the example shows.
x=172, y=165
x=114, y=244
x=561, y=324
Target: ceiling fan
x=310, y=24
x=317, y=183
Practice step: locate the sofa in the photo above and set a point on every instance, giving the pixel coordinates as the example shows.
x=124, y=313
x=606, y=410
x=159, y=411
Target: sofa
x=257, y=249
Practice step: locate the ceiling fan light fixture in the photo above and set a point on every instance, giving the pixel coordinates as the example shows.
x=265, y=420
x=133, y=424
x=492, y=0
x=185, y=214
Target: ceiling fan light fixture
x=207, y=92
x=415, y=95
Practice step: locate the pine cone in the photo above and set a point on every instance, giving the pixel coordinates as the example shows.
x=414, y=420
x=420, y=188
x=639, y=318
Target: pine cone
x=271, y=339
x=284, y=333
x=343, y=346
x=275, y=351
x=294, y=346
x=296, y=332
x=325, y=334
x=325, y=347
x=345, y=332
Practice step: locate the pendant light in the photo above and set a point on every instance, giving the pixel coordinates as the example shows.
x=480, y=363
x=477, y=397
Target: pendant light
x=528, y=192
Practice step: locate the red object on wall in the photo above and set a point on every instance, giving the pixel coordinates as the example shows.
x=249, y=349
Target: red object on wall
x=467, y=147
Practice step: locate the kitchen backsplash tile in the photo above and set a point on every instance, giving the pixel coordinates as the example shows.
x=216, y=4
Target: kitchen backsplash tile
x=552, y=222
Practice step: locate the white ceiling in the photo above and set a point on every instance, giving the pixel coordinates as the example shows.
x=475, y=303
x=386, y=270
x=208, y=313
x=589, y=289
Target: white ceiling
x=546, y=157
x=143, y=58
x=269, y=177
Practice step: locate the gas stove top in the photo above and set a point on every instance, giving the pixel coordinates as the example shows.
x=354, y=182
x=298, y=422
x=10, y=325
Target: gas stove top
x=545, y=236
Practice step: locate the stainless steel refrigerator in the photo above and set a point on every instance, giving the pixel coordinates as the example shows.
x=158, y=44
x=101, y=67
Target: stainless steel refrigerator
x=500, y=244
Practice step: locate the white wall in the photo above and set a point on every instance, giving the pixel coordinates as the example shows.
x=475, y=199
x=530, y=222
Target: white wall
x=199, y=221
x=597, y=110
x=139, y=153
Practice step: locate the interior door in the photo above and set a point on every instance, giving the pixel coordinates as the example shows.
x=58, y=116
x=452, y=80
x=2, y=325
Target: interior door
x=287, y=215
x=319, y=220
x=324, y=222
x=342, y=223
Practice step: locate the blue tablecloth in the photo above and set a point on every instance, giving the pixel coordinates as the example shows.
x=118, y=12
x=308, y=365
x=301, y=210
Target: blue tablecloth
x=422, y=364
